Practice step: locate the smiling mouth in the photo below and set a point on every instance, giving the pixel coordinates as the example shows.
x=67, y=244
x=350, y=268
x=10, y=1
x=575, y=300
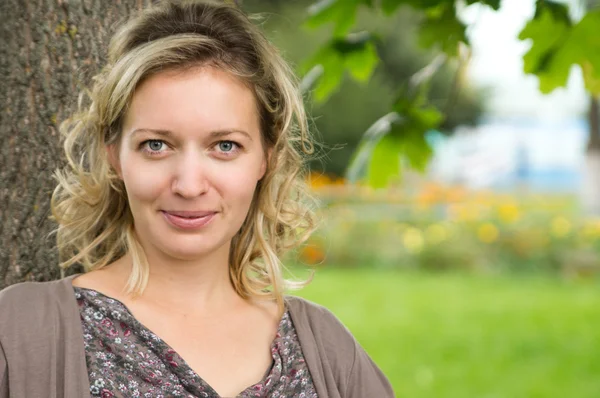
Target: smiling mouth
x=189, y=214
x=188, y=220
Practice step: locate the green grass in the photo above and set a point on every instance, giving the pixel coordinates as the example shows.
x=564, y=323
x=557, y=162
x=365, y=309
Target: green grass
x=451, y=336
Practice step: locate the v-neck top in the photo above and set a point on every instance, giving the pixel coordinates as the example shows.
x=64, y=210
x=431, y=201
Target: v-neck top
x=125, y=358
x=42, y=350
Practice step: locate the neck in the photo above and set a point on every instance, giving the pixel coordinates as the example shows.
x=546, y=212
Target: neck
x=188, y=285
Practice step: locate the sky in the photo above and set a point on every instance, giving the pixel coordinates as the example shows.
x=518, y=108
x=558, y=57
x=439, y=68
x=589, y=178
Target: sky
x=497, y=63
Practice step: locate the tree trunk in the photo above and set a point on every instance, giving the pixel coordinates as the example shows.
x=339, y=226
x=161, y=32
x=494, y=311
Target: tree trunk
x=49, y=49
x=591, y=170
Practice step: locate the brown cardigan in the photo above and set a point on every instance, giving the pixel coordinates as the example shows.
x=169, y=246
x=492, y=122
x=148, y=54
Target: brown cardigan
x=42, y=352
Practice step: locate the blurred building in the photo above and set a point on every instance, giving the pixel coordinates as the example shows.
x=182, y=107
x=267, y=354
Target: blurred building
x=508, y=153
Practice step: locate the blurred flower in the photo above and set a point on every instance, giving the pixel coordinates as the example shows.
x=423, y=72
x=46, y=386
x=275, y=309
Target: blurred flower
x=338, y=181
x=316, y=181
x=487, y=233
x=413, y=240
x=312, y=253
x=433, y=214
x=509, y=213
x=560, y=227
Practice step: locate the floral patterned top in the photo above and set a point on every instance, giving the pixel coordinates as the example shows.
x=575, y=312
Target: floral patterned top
x=125, y=359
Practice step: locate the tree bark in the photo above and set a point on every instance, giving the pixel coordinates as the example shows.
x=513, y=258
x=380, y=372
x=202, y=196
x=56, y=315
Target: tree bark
x=591, y=171
x=49, y=50
x=594, y=125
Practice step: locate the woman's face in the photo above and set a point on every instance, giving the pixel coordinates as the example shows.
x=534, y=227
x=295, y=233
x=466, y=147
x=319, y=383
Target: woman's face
x=190, y=157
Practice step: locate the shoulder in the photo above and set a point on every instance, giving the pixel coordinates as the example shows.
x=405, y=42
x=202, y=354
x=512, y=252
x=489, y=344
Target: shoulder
x=25, y=292
x=28, y=304
x=316, y=315
x=328, y=333
x=40, y=329
x=334, y=353
x=22, y=295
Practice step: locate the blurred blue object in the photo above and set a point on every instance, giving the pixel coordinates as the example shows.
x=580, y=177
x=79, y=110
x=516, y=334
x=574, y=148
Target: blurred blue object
x=537, y=154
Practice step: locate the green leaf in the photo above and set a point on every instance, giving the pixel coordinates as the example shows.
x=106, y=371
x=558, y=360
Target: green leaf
x=416, y=120
x=333, y=71
x=427, y=118
x=390, y=6
x=356, y=54
x=428, y=4
x=494, y=4
x=406, y=141
x=441, y=28
x=385, y=161
x=361, y=157
x=416, y=149
x=584, y=43
x=310, y=78
x=559, y=11
x=361, y=63
x=549, y=58
x=547, y=34
x=342, y=13
x=557, y=45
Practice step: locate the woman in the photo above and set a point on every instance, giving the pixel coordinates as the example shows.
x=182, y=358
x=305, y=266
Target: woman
x=183, y=189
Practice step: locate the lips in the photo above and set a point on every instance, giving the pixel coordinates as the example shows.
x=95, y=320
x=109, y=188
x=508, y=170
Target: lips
x=188, y=219
x=189, y=214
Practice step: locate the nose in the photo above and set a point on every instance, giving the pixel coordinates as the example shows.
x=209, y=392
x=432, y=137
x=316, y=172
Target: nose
x=190, y=179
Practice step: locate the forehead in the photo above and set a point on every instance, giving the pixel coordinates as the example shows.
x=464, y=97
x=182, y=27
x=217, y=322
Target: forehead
x=200, y=99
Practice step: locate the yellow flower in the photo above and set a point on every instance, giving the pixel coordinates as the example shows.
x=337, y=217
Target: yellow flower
x=487, y=233
x=560, y=227
x=317, y=181
x=509, y=213
x=413, y=240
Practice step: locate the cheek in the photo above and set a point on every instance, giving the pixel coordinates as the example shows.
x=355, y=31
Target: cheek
x=144, y=183
x=240, y=184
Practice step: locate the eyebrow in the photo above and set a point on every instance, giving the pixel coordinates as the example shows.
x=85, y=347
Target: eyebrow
x=170, y=134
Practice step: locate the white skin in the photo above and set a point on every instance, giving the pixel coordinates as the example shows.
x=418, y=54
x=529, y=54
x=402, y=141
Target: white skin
x=211, y=161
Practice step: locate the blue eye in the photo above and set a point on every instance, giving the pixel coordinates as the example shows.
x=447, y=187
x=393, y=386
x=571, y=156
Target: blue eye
x=155, y=145
x=226, y=146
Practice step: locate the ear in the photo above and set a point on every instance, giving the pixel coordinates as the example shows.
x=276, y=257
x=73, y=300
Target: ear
x=265, y=162
x=112, y=151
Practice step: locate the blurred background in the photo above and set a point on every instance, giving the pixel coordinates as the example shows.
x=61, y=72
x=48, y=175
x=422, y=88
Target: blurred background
x=458, y=178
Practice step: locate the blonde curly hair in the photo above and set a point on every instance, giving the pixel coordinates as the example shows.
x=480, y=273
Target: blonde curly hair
x=95, y=224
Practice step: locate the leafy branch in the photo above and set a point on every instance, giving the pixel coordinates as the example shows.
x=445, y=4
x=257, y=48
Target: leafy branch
x=398, y=138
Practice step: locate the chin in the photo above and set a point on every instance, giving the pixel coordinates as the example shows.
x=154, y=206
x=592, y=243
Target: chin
x=191, y=250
